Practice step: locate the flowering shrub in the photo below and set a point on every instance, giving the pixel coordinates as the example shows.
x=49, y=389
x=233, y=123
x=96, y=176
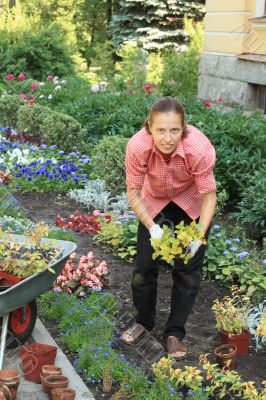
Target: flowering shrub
x=82, y=275
x=5, y=177
x=81, y=223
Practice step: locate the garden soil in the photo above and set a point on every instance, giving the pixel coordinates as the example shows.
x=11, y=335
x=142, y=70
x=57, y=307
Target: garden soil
x=201, y=335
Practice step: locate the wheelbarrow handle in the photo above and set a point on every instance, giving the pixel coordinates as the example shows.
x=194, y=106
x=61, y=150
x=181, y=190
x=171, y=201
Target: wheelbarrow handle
x=3, y=339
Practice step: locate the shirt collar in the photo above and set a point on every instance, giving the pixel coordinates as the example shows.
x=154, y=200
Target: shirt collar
x=179, y=150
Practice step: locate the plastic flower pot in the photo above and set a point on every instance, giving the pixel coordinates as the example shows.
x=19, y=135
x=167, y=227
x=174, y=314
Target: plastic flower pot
x=63, y=394
x=54, y=382
x=33, y=357
x=226, y=353
x=10, y=378
x=240, y=341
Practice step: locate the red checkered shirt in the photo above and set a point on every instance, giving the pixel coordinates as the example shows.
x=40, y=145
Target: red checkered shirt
x=183, y=180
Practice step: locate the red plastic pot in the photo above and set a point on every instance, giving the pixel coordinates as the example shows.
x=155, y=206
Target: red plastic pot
x=33, y=357
x=63, y=394
x=10, y=378
x=240, y=341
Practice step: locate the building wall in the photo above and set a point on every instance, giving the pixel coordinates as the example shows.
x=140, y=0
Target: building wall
x=233, y=27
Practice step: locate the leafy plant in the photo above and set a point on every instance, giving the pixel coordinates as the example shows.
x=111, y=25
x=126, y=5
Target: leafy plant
x=174, y=245
x=9, y=106
x=31, y=117
x=108, y=163
x=27, y=258
x=231, y=312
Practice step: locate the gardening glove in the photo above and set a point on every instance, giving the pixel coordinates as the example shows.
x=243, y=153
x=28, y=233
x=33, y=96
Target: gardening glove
x=194, y=247
x=156, y=232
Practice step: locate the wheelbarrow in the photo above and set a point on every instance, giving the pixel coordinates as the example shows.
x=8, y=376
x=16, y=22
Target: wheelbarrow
x=18, y=307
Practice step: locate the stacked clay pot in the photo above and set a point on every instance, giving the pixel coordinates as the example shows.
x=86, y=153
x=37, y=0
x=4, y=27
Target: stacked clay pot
x=5, y=393
x=53, y=382
x=63, y=394
x=10, y=378
x=49, y=370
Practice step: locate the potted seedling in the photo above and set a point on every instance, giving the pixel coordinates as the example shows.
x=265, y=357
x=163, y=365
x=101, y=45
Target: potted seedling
x=231, y=315
x=174, y=244
x=226, y=354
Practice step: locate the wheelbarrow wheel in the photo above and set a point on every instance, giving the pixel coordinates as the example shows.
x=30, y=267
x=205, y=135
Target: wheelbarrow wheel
x=21, y=324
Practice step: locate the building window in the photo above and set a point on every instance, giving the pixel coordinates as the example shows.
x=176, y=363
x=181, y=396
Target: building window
x=261, y=98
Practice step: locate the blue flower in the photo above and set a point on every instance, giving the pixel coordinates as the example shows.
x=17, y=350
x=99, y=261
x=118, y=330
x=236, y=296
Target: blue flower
x=117, y=222
x=43, y=146
x=218, y=235
x=228, y=242
x=225, y=252
x=52, y=147
x=61, y=152
x=72, y=154
x=190, y=393
x=236, y=240
x=216, y=227
x=243, y=254
x=264, y=261
x=233, y=248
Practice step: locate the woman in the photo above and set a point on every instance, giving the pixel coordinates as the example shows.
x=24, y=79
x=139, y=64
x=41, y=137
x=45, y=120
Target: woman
x=169, y=175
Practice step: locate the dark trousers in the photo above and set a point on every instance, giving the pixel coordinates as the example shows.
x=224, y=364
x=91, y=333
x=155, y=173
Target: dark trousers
x=186, y=278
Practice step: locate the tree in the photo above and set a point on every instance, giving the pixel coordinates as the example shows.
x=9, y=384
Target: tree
x=158, y=24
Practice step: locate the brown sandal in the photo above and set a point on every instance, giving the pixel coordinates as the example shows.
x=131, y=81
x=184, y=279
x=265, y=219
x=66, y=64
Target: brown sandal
x=173, y=345
x=136, y=332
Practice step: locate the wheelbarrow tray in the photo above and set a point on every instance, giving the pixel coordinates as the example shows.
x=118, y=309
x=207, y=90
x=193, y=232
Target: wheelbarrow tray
x=32, y=287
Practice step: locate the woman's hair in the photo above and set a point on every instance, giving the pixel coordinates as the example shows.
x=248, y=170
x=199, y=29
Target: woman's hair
x=163, y=105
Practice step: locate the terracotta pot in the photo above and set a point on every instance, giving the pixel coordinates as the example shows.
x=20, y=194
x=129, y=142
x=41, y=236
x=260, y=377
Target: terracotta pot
x=10, y=378
x=48, y=370
x=225, y=353
x=5, y=392
x=54, y=382
x=33, y=357
x=240, y=341
x=63, y=394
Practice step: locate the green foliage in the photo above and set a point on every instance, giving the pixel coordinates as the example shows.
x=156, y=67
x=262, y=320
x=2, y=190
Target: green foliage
x=9, y=106
x=133, y=66
x=31, y=117
x=64, y=131
x=156, y=24
x=9, y=206
x=102, y=59
x=108, y=163
x=120, y=238
x=234, y=259
x=33, y=48
x=252, y=207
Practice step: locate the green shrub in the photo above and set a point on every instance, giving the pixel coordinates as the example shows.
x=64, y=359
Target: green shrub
x=35, y=49
x=108, y=163
x=9, y=106
x=31, y=117
x=252, y=207
x=63, y=131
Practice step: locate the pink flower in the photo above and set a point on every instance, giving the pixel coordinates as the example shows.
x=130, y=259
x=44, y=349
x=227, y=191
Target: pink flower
x=23, y=96
x=96, y=213
x=10, y=77
x=219, y=99
x=95, y=88
x=49, y=78
x=34, y=86
x=21, y=77
x=31, y=102
x=206, y=103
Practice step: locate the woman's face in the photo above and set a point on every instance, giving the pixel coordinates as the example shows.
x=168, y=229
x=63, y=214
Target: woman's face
x=166, y=129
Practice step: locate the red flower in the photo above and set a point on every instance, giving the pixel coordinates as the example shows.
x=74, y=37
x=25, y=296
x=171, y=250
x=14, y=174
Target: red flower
x=23, y=96
x=49, y=78
x=220, y=99
x=129, y=83
x=21, y=77
x=10, y=77
x=207, y=103
x=34, y=86
x=30, y=102
x=147, y=87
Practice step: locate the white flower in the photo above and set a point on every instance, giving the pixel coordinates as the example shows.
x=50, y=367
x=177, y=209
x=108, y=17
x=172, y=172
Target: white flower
x=58, y=87
x=50, y=96
x=56, y=78
x=63, y=81
x=42, y=96
x=182, y=48
x=41, y=83
x=56, y=82
x=102, y=86
x=95, y=88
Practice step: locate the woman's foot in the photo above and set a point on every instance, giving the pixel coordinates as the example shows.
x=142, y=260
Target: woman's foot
x=175, y=347
x=133, y=334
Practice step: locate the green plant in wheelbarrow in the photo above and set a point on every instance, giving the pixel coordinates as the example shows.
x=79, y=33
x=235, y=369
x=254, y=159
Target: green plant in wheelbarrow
x=174, y=244
x=29, y=257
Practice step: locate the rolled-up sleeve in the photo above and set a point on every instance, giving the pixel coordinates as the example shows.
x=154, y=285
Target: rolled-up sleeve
x=203, y=172
x=135, y=168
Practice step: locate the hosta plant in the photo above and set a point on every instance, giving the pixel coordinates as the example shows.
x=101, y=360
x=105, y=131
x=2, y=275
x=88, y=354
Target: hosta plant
x=174, y=244
x=30, y=256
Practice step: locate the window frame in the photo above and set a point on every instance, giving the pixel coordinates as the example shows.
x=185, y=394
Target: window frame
x=259, y=87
